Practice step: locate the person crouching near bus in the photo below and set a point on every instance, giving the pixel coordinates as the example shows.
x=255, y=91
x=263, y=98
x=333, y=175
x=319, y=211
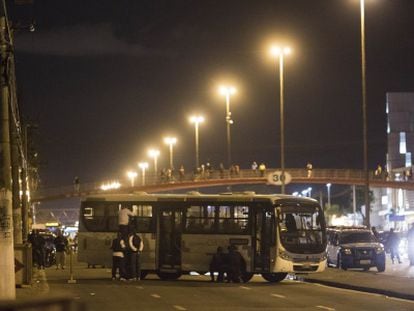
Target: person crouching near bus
x=135, y=248
x=237, y=265
x=218, y=264
x=118, y=257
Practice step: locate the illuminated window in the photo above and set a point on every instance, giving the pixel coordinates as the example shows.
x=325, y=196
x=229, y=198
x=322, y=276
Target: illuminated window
x=386, y=108
x=408, y=159
x=388, y=128
x=403, y=147
x=384, y=200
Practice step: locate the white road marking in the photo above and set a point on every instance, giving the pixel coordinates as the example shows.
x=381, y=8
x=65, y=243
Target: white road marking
x=278, y=296
x=399, y=299
x=139, y=287
x=325, y=308
x=244, y=287
x=155, y=296
x=179, y=308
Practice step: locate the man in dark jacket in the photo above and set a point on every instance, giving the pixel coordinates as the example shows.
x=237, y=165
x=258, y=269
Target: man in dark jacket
x=135, y=248
x=118, y=257
x=237, y=265
x=217, y=264
x=61, y=245
x=394, y=242
x=38, y=248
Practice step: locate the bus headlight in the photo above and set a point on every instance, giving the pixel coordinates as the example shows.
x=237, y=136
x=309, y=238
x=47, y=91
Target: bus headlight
x=284, y=255
x=347, y=251
x=379, y=250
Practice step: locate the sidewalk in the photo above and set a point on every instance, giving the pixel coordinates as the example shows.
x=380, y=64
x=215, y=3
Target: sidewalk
x=396, y=281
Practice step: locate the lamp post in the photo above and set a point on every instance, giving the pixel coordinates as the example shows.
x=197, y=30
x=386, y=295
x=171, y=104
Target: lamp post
x=227, y=91
x=171, y=141
x=132, y=175
x=143, y=166
x=197, y=119
x=280, y=52
x=328, y=187
x=364, y=115
x=154, y=153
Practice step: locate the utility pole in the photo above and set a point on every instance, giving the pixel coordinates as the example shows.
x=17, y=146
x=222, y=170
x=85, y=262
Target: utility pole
x=15, y=169
x=7, y=276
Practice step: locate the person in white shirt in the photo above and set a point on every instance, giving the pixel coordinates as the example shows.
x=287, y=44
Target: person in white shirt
x=123, y=220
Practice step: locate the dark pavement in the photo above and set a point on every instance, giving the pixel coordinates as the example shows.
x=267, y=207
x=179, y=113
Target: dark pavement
x=95, y=289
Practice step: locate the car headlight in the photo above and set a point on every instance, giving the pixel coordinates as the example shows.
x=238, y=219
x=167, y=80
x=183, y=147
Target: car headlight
x=379, y=250
x=347, y=251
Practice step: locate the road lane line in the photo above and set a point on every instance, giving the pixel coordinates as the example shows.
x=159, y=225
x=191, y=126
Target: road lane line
x=278, y=296
x=399, y=299
x=155, y=296
x=139, y=287
x=179, y=308
x=325, y=308
x=244, y=287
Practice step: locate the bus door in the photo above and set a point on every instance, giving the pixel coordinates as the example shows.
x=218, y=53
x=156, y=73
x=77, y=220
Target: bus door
x=169, y=239
x=263, y=238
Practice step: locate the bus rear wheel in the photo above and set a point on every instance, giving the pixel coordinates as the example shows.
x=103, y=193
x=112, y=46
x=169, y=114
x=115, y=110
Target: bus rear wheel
x=274, y=277
x=166, y=276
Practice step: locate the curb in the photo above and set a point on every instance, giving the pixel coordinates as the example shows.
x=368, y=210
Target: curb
x=372, y=290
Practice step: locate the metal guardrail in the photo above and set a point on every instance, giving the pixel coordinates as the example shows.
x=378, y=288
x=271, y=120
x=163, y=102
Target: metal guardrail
x=298, y=174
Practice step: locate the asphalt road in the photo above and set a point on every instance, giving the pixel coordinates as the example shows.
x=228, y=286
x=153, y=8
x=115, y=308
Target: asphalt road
x=197, y=293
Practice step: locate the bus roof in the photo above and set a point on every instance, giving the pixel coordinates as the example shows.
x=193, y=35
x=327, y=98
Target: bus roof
x=196, y=196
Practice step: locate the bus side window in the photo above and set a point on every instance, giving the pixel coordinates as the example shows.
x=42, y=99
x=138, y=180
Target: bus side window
x=94, y=217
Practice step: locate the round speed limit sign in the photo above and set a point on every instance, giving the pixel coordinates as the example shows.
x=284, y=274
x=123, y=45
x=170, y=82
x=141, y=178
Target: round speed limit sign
x=276, y=178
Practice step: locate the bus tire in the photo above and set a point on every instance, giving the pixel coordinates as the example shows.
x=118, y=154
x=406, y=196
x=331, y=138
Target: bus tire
x=274, y=277
x=246, y=277
x=165, y=276
x=381, y=267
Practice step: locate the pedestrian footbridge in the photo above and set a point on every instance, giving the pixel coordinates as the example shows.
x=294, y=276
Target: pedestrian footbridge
x=154, y=183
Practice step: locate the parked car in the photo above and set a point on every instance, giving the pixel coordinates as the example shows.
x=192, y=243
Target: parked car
x=353, y=247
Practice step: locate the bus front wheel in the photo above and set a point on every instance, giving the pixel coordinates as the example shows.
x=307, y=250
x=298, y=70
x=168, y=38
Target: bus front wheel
x=246, y=277
x=274, y=277
x=165, y=276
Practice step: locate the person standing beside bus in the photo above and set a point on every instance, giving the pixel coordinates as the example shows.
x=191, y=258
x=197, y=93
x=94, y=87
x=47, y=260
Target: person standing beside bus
x=118, y=257
x=61, y=245
x=135, y=248
x=123, y=220
x=217, y=264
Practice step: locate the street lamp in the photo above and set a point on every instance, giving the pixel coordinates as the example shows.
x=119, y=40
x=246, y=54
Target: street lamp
x=196, y=119
x=280, y=52
x=328, y=186
x=132, y=175
x=171, y=141
x=143, y=166
x=154, y=153
x=227, y=91
x=364, y=114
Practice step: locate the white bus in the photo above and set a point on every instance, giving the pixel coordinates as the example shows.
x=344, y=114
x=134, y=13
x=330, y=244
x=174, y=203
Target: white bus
x=276, y=234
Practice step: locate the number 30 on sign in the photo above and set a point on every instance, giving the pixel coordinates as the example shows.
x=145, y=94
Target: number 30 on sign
x=276, y=178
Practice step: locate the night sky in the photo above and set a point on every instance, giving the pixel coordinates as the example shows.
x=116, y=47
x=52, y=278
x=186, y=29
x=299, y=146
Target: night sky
x=105, y=80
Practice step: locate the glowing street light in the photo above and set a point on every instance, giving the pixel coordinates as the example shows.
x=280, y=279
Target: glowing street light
x=132, y=175
x=143, y=166
x=227, y=91
x=280, y=52
x=171, y=141
x=197, y=119
x=154, y=153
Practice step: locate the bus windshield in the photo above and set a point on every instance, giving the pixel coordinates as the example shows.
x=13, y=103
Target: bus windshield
x=301, y=228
